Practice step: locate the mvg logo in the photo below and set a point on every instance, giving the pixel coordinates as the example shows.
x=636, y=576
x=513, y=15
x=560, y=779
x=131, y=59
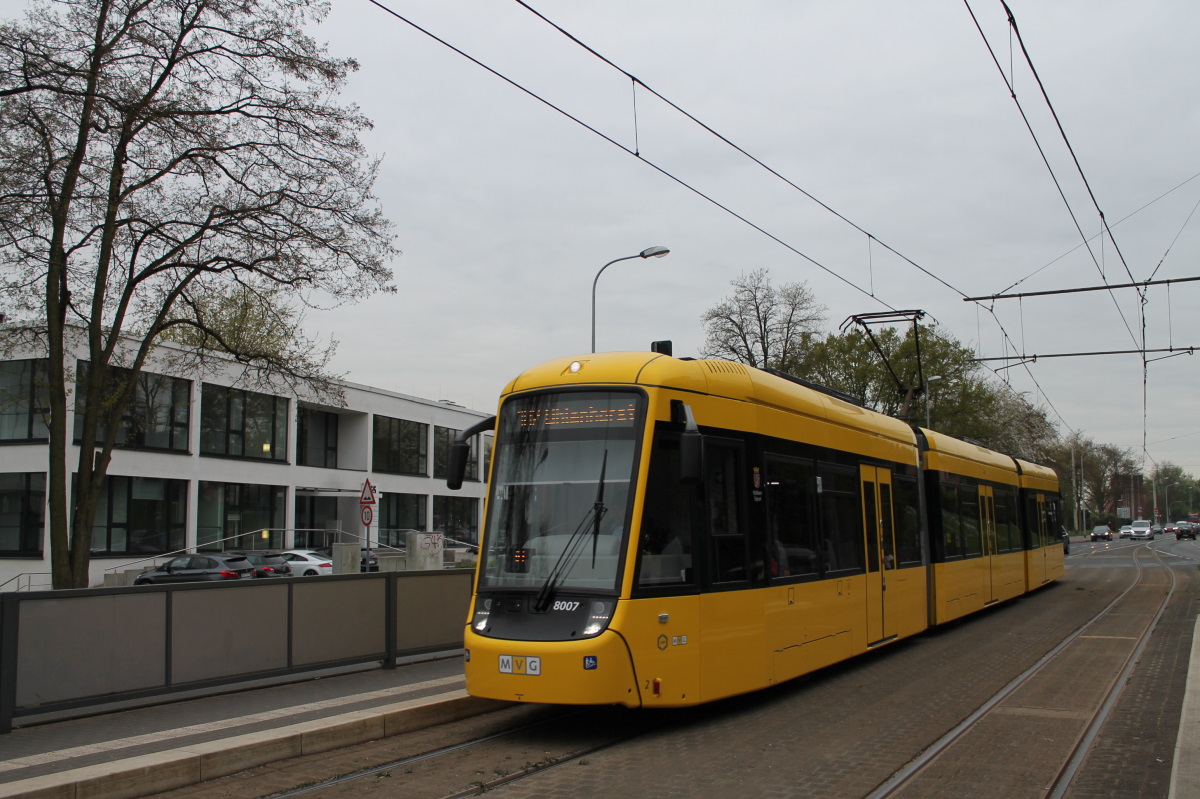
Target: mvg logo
x=518, y=664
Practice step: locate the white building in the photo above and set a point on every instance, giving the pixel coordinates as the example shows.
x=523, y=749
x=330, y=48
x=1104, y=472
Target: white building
x=207, y=466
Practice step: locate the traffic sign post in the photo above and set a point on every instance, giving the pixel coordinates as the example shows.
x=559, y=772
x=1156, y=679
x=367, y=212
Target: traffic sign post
x=366, y=502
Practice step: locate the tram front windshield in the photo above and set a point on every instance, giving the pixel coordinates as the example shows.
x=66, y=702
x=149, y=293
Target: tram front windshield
x=564, y=466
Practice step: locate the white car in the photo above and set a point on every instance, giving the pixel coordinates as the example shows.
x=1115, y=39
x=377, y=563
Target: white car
x=307, y=562
x=1142, y=531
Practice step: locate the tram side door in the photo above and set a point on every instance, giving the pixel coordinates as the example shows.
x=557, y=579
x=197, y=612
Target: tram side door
x=1038, y=529
x=881, y=552
x=987, y=526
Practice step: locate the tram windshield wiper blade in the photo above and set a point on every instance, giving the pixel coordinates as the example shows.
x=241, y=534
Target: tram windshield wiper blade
x=598, y=509
x=570, y=552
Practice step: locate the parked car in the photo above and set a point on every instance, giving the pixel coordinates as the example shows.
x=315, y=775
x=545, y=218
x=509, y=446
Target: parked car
x=1142, y=531
x=307, y=562
x=367, y=561
x=269, y=565
x=1102, y=533
x=1185, y=530
x=1126, y=531
x=198, y=568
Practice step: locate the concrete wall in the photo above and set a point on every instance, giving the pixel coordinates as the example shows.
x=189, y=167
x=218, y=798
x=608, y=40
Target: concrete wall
x=63, y=649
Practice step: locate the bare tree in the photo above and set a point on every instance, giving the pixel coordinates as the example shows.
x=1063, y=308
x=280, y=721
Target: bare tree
x=759, y=324
x=154, y=156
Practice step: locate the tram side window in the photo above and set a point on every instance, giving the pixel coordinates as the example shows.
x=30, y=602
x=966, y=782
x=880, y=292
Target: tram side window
x=665, y=554
x=908, y=522
x=968, y=499
x=792, y=547
x=951, y=532
x=729, y=553
x=841, y=519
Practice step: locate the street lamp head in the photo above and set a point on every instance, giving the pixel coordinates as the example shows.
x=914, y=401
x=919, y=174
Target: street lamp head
x=654, y=252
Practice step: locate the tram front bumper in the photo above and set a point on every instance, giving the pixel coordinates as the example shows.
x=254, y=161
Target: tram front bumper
x=592, y=671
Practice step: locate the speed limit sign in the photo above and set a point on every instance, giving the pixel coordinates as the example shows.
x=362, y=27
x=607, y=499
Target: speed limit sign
x=367, y=515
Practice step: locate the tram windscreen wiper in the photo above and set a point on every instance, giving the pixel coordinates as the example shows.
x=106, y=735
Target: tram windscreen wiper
x=570, y=552
x=598, y=509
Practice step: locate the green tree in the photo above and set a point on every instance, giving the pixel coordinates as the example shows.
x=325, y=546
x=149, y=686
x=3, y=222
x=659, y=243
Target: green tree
x=155, y=156
x=959, y=399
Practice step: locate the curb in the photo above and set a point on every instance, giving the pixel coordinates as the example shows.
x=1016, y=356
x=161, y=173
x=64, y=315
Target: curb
x=143, y=775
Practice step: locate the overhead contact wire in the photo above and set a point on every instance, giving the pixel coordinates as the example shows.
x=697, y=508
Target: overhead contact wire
x=626, y=149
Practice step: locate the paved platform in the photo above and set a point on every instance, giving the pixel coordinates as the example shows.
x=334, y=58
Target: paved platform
x=126, y=753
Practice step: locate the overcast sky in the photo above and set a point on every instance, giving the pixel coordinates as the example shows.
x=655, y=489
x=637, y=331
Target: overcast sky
x=893, y=114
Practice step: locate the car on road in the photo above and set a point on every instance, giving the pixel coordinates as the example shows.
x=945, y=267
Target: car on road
x=1143, y=530
x=307, y=562
x=269, y=565
x=1126, y=529
x=198, y=568
x=1185, y=530
x=1102, y=533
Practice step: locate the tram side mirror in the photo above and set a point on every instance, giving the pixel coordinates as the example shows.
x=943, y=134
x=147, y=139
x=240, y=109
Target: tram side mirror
x=691, y=445
x=459, y=452
x=456, y=464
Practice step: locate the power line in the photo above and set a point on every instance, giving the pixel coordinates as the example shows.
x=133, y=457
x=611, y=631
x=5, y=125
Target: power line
x=1128, y=216
x=1042, y=152
x=634, y=153
x=1105, y=287
x=1142, y=352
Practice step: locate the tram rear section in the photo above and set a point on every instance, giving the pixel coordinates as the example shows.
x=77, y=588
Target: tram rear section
x=663, y=532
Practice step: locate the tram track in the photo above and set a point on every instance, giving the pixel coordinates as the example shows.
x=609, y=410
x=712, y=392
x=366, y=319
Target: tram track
x=907, y=781
x=577, y=748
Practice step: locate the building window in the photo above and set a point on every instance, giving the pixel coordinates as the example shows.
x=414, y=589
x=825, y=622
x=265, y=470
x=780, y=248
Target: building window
x=457, y=517
x=443, y=437
x=140, y=515
x=400, y=446
x=157, y=414
x=22, y=514
x=398, y=514
x=316, y=438
x=313, y=514
x=24, y=401
x=243, y=424
x=237, y=515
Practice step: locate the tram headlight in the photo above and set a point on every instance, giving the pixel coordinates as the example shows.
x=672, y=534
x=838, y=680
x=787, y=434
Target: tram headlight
x=483, y=611
x=599, y=615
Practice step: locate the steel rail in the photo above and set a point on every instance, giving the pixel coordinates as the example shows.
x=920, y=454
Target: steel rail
x=904, y=776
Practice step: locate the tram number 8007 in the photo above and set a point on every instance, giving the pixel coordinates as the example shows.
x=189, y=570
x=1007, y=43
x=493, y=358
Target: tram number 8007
x=565, y=605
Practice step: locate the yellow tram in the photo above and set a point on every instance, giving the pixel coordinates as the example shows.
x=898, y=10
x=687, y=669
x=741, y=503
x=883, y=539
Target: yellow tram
x=665, y=532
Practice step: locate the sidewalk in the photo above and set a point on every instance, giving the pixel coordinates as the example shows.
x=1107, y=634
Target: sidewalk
x=136, y=752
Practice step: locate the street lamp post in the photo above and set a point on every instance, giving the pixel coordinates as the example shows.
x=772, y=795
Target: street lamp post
x=928, y=399
x=1167, y=501
x=649, y=252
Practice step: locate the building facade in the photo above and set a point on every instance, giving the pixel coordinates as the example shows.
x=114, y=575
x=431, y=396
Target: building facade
x=204, y=465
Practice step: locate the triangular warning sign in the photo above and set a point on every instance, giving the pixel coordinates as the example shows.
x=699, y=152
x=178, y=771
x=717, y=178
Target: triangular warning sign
x=368, y=494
